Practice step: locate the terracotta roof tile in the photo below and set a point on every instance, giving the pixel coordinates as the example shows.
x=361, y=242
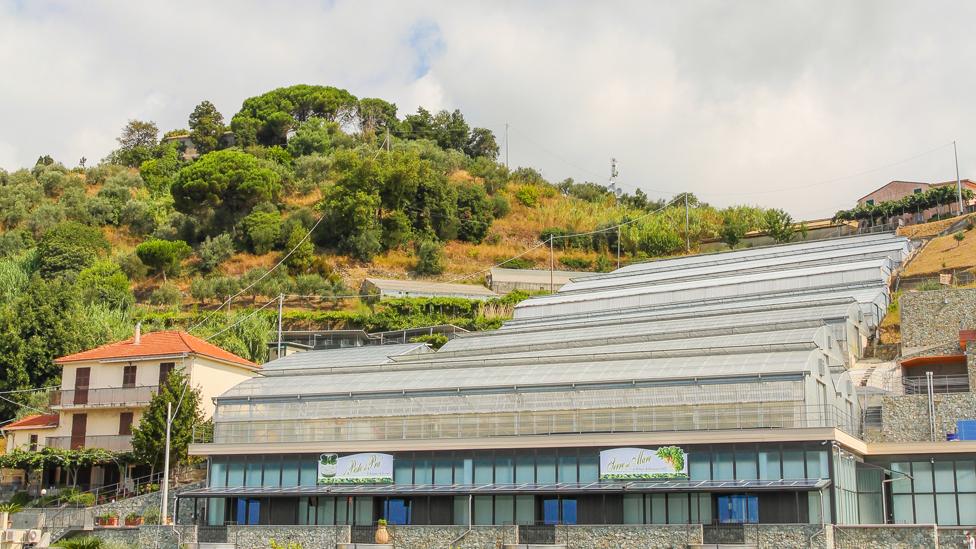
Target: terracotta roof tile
x=157, y=344
x=37, y=421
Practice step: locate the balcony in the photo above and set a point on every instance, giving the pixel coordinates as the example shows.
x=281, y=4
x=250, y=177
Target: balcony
x=114, y=397
x=115, y=443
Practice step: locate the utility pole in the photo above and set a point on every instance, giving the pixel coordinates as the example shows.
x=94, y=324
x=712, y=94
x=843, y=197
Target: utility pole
x=164, y=505
x=687, y=234
x=506, y=145
x=551, y=267
x=281, y=302
x=958, y=181
x=618, y=246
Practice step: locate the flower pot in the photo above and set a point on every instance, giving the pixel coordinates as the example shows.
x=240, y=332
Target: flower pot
x=382, y=536
x=108, y=521
x=137, y=521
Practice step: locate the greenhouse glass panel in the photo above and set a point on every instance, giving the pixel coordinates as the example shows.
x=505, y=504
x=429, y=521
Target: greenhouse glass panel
x=924, y=509
x=965, y=477
x=922, y=471
x=944, y=477
x=504, y=469
x=524, y=468
x=589, y=468
x=946, y=509
x=633, y=508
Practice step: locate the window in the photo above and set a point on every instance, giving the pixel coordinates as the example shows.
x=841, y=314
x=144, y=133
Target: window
x=33, y=443
x=870, y=202
x=164, y=369
x=125, y=423
x=917, y=191
x=129, y=376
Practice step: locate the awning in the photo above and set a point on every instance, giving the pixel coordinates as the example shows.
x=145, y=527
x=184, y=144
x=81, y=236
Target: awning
x=670, y=485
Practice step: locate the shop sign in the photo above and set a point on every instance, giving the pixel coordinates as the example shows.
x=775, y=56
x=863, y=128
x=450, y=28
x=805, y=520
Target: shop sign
x=642, y=463
x=368, y=468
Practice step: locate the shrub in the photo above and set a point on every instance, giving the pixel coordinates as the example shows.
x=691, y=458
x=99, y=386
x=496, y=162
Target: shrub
x=517, y=263
x=137, y=216
x=104, y=282
x=430, y=258
x=132, y=266
x=87, y=542
x=603, y=264
x=574, y=262
x=225, y=286
x=214, y=251
x=68, y=248
x=500, y=206
x=202, y=289
x=163, y=256
x=262, y=229
x=528, y=196
x=166, y=295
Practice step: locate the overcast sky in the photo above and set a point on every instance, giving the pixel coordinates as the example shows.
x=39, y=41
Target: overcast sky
x=800, y=105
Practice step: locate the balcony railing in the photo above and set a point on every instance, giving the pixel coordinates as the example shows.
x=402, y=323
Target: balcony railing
x=918, y=385
x=629, y=420
x=115, y=443
x=114, y=397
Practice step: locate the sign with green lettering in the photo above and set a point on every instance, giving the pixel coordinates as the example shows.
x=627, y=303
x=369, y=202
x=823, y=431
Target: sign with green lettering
x=641, y=463
x=368, y=468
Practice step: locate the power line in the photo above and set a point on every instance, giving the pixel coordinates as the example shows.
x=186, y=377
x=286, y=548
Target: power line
x=240, y=320
x=260, y=278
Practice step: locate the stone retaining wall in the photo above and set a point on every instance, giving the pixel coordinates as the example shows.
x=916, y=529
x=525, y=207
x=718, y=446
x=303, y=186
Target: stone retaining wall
x=441, y=537
x=167, y=537
x=790, y=536
x=891, y=536
x=258, y=537
x=906, y=418
x=643, y=536
x=931, y=318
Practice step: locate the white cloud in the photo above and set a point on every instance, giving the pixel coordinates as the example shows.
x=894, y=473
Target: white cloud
x=731, y=101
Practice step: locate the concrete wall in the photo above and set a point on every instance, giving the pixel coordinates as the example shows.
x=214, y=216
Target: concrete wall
x=214, y=379
x=931, y=318
x=906, y=418
x=890, y=537
x=638, y=536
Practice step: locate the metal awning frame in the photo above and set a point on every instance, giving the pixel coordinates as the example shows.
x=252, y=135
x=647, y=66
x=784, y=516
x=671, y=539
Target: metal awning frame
x=515, y=488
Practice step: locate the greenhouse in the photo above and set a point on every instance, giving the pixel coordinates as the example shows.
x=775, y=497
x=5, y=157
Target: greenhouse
x=673, y=391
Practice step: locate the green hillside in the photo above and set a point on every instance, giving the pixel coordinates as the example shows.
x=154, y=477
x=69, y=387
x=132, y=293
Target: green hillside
x=334, y=188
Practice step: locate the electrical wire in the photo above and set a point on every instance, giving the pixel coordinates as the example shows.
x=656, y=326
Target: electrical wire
x=239, y=321
x=260, y=278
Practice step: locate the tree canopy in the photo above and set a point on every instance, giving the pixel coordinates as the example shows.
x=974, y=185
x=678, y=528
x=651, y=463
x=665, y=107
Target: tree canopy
x=223, y=186
x=206, y=127
x=266, y=119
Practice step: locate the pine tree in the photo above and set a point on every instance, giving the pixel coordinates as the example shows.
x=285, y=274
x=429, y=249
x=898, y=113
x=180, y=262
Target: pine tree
x=149, y=438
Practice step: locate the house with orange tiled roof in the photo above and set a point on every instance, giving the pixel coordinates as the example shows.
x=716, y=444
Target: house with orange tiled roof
x=105, y=390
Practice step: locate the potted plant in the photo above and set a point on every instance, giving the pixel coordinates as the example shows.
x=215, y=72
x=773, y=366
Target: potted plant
x=133, y=519
x=109, y=518
x=382, y=535
x=7, y=509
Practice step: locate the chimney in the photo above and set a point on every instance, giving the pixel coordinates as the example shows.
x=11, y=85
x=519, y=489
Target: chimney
x=138, y=338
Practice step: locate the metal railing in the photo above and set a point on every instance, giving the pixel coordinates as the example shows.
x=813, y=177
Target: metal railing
x=108, y=397
x=629, y=420
x=918, y=385
x=117, y=443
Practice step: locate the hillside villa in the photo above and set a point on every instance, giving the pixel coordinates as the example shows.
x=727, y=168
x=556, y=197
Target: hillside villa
x=104, y=392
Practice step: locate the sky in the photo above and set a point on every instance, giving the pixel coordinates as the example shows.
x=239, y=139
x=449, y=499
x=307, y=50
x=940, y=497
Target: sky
x=804, y=106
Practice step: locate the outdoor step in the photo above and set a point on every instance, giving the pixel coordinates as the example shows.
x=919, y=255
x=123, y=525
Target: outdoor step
x=534, y=546
x=722, y=546
x=365, y=546
x=206, y=545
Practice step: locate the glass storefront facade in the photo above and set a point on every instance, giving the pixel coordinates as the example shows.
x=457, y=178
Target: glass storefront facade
x=562, y=481
x=932, y=491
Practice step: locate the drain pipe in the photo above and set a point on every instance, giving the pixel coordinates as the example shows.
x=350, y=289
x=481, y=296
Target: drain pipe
x=470, y=525
x=823, y=523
